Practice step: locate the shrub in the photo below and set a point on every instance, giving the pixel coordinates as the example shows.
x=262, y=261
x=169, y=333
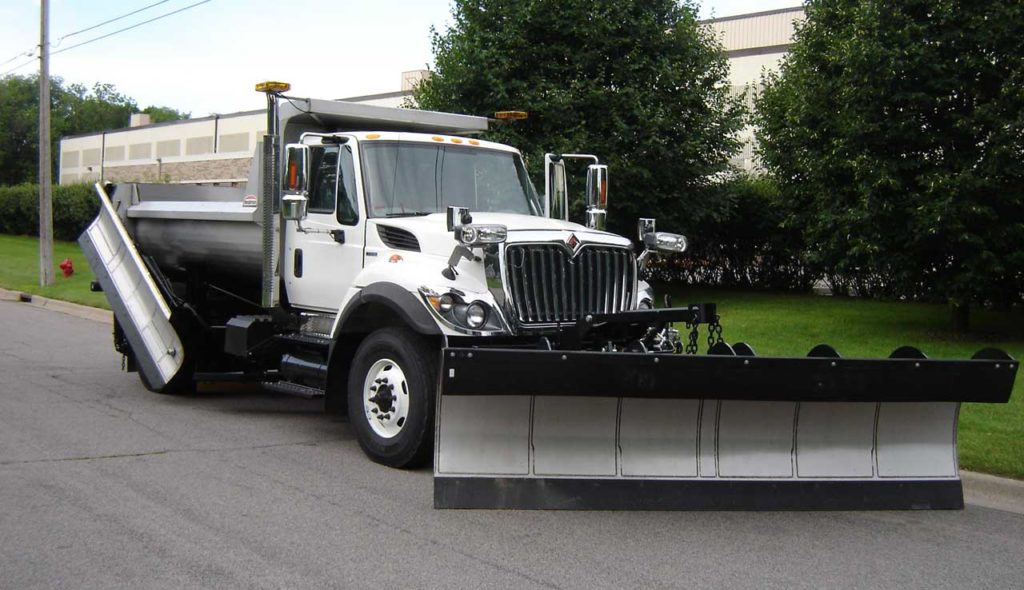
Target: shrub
x=74, y=207
x=748, y=244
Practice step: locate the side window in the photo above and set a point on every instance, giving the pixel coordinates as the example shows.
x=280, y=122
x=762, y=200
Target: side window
x=324, y=182
x=348, y=209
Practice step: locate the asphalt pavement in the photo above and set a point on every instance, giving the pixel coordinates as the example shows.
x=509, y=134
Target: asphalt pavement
x=106, y=485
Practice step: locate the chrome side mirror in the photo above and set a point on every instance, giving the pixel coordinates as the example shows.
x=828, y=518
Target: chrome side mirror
x=296, y=177
x=456, y=216
x=597, y=196
x=643, y=227
x=293, y=207
x=556, y=193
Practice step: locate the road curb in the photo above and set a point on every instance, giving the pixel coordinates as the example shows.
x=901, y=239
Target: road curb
x=80, y=311
x=990, y=491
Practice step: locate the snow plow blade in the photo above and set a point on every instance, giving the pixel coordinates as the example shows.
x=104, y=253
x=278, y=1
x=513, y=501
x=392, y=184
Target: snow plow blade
x=531, y=429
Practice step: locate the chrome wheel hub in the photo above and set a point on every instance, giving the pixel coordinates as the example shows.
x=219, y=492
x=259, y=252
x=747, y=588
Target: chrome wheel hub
x=386, y=398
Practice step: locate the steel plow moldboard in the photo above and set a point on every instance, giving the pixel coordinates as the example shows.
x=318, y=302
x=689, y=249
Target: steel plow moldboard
x=582, y=430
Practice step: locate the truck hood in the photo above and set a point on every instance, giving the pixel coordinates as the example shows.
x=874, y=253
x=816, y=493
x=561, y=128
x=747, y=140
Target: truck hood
x=434, y=237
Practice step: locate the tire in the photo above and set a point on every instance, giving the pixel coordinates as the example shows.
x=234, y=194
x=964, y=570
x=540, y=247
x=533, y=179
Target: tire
x=391, y=389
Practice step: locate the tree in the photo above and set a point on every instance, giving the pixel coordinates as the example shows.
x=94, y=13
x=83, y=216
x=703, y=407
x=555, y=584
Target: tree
x=77, y=109
x=19, y=129
x=74, y=108
x=896, y=129
x=638, y=83
x=165, y=114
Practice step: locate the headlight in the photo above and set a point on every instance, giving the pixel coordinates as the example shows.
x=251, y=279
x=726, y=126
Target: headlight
x=450, y=306
x=445, y=303
x=480, y=234
x=476, y=314
x=665, y=242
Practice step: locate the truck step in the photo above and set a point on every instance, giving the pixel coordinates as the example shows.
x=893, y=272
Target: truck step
x=289, y=388
x=227, y=377
x=314, y=340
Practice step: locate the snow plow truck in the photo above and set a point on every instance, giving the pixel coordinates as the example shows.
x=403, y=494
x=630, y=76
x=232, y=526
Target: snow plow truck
x=406, y=271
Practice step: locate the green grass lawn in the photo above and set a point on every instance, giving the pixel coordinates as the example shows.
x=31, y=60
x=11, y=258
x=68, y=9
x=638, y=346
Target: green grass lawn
x=991, y=435
x=19, y=271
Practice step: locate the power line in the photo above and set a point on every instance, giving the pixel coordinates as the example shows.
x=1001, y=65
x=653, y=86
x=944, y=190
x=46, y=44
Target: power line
x=25, y=54
x=18, y=67
x=145, y=22
x=31, y=52
x=33, y=55
x=107, y=22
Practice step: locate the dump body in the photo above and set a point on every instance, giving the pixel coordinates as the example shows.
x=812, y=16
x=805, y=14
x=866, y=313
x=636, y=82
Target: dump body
x=195, y=227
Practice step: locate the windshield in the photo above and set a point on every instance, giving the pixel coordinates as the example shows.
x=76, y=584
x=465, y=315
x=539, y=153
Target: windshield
x=407, y=178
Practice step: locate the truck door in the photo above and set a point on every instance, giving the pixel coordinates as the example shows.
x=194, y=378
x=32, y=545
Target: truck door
x=321, y=262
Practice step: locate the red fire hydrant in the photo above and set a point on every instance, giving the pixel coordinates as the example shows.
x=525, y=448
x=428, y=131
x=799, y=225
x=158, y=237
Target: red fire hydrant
x=67, y=267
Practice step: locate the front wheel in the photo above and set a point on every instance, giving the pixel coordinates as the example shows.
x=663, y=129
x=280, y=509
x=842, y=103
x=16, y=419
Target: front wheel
x=391, y=397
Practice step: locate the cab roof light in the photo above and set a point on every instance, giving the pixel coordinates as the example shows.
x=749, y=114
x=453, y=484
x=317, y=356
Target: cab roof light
x=511, y=115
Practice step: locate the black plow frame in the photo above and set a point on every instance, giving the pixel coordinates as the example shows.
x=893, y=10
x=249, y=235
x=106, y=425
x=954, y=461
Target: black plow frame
x=987, y=378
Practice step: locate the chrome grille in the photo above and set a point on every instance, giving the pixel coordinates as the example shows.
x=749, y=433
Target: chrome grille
x=549, y=286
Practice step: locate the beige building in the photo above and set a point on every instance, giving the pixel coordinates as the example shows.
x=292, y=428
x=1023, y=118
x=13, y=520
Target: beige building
x=754, y=43
x=219, y=149
x=208, y=150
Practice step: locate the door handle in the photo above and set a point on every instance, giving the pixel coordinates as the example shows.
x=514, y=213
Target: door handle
x=338, y=235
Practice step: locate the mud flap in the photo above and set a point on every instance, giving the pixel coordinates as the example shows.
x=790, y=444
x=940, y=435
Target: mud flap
x=136, y=301
x=587, y=430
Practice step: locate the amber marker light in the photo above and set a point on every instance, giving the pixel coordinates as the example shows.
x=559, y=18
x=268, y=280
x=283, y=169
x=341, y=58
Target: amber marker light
x=511, y=115
x=456, y=140
x=437, y=138
x=273, y=87
x=373, y=136
x=474, y=142
x=293, y=175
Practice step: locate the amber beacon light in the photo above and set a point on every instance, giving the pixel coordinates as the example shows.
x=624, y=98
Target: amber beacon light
x=511, y=115
x=274, y=87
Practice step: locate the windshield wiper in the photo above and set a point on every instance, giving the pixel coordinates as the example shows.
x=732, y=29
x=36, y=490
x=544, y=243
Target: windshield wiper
x=409, y=213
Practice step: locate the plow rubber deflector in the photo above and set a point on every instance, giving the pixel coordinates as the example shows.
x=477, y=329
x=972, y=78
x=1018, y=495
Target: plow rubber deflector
x=588, y=430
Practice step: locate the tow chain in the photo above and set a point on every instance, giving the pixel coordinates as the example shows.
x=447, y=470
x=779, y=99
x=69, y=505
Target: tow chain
x=714, y=333
x=691, y=345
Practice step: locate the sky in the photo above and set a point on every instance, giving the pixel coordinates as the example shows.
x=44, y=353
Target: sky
x=207, y=59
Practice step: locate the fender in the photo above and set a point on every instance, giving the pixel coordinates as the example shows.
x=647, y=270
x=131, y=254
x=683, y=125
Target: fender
x=400, y=304
x=396, y=299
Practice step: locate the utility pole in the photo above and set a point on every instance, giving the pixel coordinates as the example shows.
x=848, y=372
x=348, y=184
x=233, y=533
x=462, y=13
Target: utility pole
x=46, y=272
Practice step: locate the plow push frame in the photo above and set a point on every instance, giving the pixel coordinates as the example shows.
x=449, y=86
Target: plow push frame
x=581, y=429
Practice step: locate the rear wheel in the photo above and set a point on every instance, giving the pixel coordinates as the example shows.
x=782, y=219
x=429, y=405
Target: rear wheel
x=391, y=397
